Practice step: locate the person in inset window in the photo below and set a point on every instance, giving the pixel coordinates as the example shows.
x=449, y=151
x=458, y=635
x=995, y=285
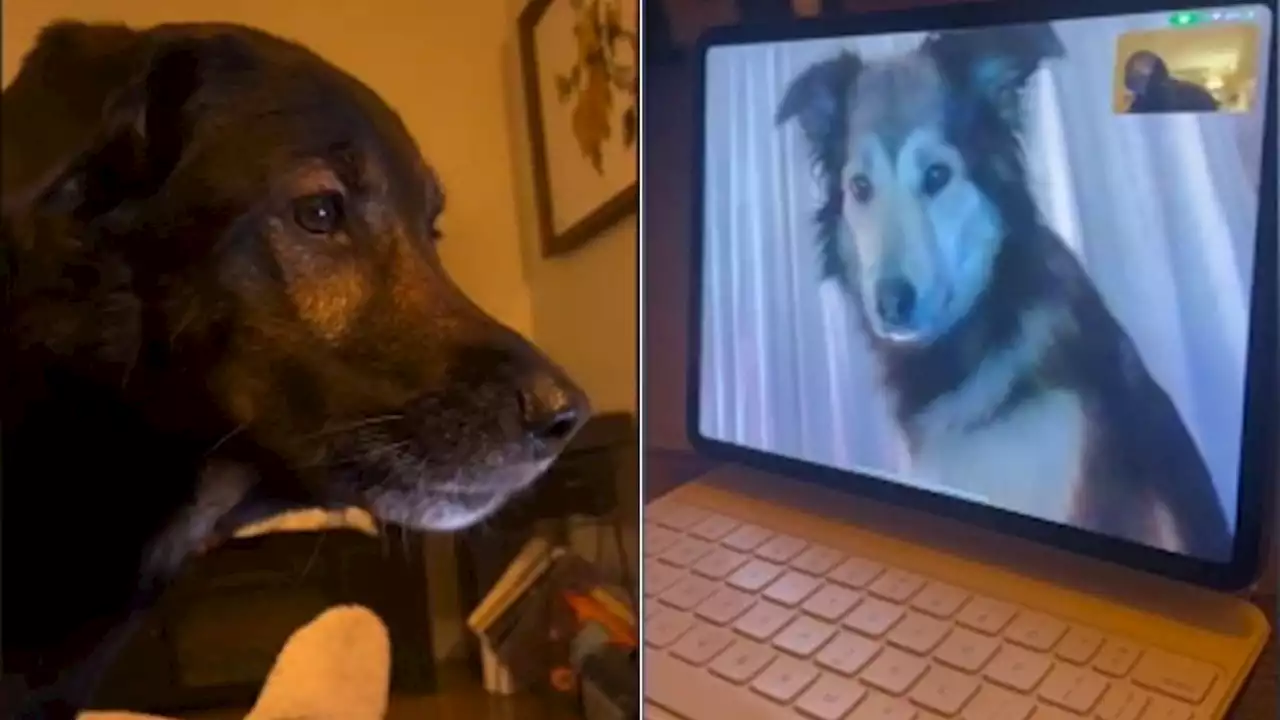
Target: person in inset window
x=1156, y=91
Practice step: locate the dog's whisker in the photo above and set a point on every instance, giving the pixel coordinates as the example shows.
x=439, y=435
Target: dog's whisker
x=128, y=371
x=221, y=441
x=311, y=561
x=187, y=319
x=332, y=429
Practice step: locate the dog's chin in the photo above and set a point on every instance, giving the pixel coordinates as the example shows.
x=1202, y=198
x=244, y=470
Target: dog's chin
x=448, y=512
x=455, y=505
x=914, y=336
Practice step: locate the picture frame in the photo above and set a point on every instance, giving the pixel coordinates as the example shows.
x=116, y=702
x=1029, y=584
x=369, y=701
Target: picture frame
x=582, y=106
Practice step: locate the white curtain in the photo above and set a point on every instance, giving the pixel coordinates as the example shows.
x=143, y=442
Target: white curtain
x=1160, y=210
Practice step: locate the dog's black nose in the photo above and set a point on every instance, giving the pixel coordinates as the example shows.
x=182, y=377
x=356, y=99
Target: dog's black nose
x=895, y=301
x=550, y=409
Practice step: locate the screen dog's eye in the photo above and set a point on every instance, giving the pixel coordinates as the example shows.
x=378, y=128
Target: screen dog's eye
x=861, y=187
x=319, y=214
x=936, y=177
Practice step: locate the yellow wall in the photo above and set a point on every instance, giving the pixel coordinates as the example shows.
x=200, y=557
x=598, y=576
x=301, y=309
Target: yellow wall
x=584, y=304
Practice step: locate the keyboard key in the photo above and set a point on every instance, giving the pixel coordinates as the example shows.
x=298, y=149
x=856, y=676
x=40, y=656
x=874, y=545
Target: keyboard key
x=896, y=585
x=719, y=563
x=804, y=636
x=792, y=588
x=1049, y=712
x=676, y=516
x=1079, y=646
x=856, y=572
x=1117, y=657
x=1163, y=708
x=747, y=538
x=830, y=698
x=918, y=633
x=831, y=602
x=725, y=606
x=874, y=617
x=688, y=593
x=894, y=671
x=686, y=551
x=754, y=575
x=742, y=661
x=966, y=650
x=818, y=560
x=763, y=620
x=1122, y=702
x=782, y=548
x=680, y=688
x=848, y=653
x=784, y=679
x=1017, y=668
x=1175, y=676
x=1036, y=631
x=986, y=615
x=666, y=627
x=657, y=539
x=944, y=691
x=659, y=576
x=993, y=703
x=714, y=528
x=701, y=643
x=883, y=707
x=940, y=599
x=1074, y=688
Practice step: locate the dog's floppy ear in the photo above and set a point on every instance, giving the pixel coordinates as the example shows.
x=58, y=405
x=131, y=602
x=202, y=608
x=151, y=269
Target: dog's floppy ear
x=995, y=63
x=95, y=117
x=52, y=110
x=819, y=100
x=93, y=125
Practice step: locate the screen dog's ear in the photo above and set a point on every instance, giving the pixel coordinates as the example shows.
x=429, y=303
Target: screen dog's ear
x=995, y=63
x=819, y=96
x=96, y=116
x=819, y=99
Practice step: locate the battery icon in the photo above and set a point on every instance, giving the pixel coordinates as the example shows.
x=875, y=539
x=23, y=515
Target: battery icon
x=1183, y=19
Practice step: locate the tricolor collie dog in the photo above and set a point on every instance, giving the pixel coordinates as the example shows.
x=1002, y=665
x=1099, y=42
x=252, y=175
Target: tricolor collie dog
x=1009, y=377
x=221, y=295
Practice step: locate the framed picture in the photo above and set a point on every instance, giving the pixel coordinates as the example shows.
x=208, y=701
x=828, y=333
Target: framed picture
x=579, y=60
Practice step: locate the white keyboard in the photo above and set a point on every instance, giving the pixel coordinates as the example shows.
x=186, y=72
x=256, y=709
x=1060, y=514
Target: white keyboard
x=744, y=623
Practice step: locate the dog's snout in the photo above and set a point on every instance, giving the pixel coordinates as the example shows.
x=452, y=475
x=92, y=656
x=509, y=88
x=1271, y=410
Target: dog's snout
x=895, y=300
x=550, y=409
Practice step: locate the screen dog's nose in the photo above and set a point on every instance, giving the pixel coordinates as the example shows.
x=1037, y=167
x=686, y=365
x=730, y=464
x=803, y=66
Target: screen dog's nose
x=895, y=300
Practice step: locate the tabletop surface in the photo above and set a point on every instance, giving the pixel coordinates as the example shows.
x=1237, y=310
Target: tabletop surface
x=666, y=469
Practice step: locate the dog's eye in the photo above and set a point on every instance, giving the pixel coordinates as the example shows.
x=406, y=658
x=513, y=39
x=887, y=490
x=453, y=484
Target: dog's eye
x=319, y=214
x=862, y=188
x=936, y=177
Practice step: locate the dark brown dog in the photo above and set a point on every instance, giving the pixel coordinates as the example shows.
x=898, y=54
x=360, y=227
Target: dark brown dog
x=221, y=298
